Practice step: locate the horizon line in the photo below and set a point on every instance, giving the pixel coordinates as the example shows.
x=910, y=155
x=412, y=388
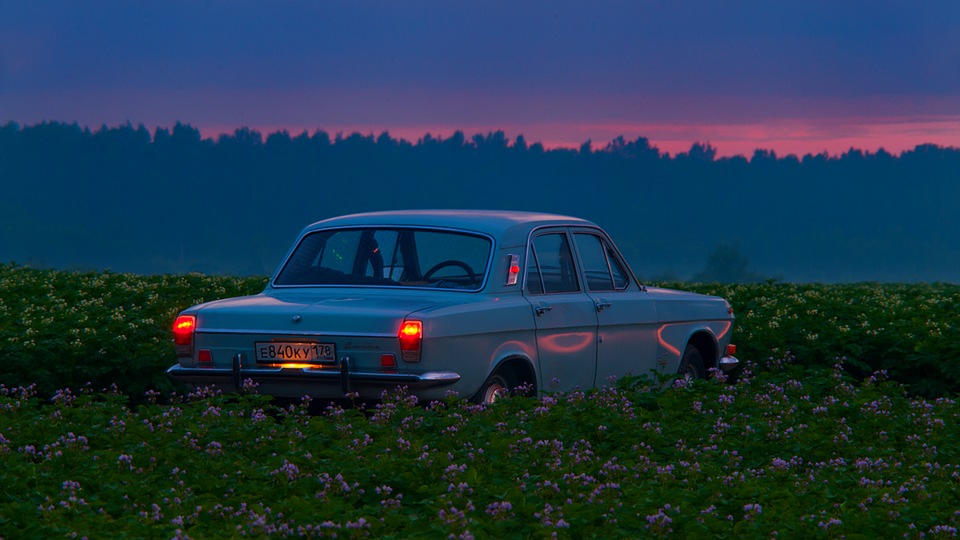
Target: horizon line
x=785, y=137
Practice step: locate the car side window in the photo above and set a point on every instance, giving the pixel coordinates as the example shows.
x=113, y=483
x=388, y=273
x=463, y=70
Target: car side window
x=550, y=267
x=602, y=269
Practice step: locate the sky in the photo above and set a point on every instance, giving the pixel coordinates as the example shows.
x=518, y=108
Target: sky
x=789, y=76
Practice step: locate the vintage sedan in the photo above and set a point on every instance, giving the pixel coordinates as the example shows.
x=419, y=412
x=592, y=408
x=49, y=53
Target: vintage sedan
x=476, y=302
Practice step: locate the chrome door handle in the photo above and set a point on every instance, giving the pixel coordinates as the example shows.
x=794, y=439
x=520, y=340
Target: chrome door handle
x=603, y=305
x=542, y=308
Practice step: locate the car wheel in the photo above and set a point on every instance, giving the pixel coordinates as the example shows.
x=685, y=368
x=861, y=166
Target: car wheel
x=691, y=365
x=495, y=387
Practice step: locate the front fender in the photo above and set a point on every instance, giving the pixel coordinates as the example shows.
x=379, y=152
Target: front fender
x=673, y=339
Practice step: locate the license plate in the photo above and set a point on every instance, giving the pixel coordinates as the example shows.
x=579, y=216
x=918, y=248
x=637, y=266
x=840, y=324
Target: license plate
x=294, y=352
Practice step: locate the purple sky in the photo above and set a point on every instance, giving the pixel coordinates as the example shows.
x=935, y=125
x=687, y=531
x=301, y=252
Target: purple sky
x=795, y=77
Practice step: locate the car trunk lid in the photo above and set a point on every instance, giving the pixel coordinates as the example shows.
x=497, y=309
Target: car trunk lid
x=326, y=314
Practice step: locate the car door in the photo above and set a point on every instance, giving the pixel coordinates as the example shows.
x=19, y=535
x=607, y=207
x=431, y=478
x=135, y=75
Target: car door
x=626, y=316
x=566, y=318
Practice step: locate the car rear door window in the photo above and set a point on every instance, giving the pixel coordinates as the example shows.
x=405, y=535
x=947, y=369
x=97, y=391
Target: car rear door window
x=550, y=266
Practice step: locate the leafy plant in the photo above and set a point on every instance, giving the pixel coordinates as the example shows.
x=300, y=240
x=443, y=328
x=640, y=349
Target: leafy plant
x=102, y=329
x=787, y=451
x=911, y=331
x=61, y=329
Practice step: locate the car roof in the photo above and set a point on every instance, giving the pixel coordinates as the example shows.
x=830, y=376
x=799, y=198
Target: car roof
x=511, y=227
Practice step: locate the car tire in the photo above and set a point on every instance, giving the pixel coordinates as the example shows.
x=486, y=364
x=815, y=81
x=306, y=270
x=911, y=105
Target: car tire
x=691, y=365
x=495, y=387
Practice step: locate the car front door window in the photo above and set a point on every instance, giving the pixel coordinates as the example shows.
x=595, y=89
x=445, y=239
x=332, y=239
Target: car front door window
x=601, y=268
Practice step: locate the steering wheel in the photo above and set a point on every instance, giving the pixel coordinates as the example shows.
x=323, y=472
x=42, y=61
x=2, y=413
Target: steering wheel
x=450, y=262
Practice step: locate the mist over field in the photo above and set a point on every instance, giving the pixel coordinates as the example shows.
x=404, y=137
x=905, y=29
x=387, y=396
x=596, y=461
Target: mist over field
x=129, y=199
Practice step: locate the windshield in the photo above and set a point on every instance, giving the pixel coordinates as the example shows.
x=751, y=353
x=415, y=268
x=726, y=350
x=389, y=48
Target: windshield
x=390, y=257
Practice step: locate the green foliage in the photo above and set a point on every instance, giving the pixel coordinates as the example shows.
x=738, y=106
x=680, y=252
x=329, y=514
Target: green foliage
x=794, y=449
x=787, y=452
x=65, y=330
x=910, y=331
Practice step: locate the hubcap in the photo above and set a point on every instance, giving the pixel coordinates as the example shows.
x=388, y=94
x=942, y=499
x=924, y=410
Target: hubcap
x=494, y=392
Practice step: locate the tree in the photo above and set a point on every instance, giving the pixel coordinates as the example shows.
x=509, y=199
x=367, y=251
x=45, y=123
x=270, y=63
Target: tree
x=700, y=152
x=726, y=265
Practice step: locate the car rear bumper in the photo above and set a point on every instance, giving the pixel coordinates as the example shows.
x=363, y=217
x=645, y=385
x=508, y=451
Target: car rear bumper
x=343, y=376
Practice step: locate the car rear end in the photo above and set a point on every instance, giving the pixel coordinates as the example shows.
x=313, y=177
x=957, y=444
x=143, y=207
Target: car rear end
x=315, y=345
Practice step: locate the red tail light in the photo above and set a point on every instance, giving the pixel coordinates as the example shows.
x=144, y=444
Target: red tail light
x=411, y=335
x=183, y=329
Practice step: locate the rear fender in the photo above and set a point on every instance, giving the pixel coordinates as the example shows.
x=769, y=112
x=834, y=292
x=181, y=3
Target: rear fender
x=519, y=370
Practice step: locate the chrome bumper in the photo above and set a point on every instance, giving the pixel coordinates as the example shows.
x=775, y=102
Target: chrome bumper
x=343, y=374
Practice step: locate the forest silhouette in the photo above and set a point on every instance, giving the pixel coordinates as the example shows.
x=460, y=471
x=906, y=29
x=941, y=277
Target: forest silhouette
x=128, y=200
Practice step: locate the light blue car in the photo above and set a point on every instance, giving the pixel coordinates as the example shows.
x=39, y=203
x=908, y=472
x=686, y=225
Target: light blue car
x=476, y=302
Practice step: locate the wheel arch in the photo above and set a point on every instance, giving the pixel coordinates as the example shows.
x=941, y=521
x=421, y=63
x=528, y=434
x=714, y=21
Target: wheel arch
x=707, y=344
x=519, y=370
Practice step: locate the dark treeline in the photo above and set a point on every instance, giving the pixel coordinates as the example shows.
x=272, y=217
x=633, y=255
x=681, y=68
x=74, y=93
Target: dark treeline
x=125, y=199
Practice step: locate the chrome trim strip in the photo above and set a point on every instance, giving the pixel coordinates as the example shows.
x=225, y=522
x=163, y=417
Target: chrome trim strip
x=225, y=376
x=281, y=332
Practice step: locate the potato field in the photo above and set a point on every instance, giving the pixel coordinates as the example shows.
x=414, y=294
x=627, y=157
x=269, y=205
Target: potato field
x=842, y=424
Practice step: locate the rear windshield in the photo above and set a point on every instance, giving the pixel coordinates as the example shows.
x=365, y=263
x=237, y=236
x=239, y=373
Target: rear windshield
x=389, y=257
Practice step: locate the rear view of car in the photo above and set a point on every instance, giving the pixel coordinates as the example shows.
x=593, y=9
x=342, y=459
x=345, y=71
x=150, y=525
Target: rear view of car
x=341, y=312
x=472, y=302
